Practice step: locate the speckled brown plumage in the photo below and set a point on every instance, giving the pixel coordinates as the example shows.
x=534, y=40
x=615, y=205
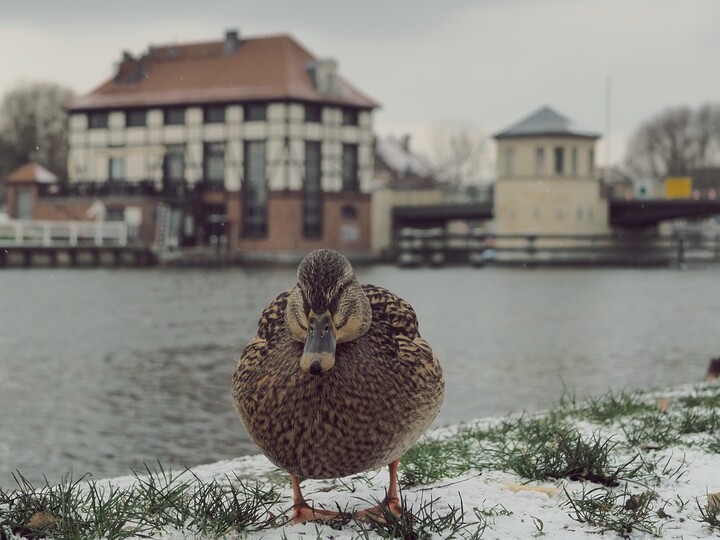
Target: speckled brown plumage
x=384, y=391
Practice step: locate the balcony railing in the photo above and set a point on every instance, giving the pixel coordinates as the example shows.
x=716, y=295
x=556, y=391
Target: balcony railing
x=63, y=233
x=148, y=188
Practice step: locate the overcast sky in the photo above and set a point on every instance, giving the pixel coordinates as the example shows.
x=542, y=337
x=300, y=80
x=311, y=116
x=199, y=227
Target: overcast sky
x=483, y=64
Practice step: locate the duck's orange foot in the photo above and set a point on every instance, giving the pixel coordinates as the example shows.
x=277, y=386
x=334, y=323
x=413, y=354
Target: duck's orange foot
x=378, y=513
x=303, y=513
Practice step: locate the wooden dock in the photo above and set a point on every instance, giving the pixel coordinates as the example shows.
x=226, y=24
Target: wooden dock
x=28, y=243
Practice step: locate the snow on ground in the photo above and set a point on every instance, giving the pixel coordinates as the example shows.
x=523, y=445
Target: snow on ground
x=520, y=507
x=512, y=507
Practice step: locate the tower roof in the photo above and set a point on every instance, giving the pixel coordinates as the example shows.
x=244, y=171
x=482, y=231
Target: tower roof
x=546, y=122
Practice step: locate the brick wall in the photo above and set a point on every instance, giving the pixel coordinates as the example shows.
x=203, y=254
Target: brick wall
x=285, y=224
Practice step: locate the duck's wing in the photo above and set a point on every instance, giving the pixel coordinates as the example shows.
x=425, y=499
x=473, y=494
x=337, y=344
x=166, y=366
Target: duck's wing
x=270, y=326
x=399, y=315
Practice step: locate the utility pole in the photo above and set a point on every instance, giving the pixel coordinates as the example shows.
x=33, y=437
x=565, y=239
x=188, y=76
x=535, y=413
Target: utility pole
x=608, y=128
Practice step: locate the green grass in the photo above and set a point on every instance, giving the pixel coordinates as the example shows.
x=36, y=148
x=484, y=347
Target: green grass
x=699, y=421
x=617, y=475
x=423, y=522
x=547, y=448
x=709, y=515
x=651, y=431
x=550, y=449
x=611, y=406
x=80, y=509
x=433, y=460
x=708, y=397
x=622, y=512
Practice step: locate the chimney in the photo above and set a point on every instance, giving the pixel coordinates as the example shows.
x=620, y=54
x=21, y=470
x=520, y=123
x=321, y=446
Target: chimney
x=126, y=68
x=232, y=41
x=324, y=75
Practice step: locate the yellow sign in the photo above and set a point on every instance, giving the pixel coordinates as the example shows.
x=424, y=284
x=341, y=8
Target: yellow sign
x=678, y=187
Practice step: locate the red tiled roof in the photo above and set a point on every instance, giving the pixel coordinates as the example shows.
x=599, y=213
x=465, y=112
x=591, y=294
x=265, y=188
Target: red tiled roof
x=266, y=68
x=31, y=172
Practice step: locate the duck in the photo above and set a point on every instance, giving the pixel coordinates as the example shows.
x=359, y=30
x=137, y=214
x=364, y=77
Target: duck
x=337, y=381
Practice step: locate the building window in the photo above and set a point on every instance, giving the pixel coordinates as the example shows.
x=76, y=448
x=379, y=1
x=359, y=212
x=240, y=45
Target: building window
x=116, y=169
x=573, y=162
x=136, y=118
x=214, y=114
x=591, y=162
x=509, y=162
x=350, y=167
x=313, y=113
x=214, y=163
x=350, y=117
x=97, y=120
x=174, y=164
x=348, y=211
x=559, y=160
x=312, y=191
x=174, y=116
x=23, y=203
x=115, y=213
x=254, y=213
x=539, y=161
x=255, y=112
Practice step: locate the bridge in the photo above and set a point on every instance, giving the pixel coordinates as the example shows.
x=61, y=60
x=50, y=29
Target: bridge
x=437, y=215
x=647, y=213
x=69, y=243
x=633, y=213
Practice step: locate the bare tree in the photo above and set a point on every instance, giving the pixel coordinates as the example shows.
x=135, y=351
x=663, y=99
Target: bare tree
x=675, y=142
x=33, y=127
x=462, y=156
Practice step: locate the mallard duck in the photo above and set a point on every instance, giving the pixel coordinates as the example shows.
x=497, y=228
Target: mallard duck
x=337, y=381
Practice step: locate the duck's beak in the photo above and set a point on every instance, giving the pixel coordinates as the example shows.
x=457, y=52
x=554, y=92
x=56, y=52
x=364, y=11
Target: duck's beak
x=319, y=353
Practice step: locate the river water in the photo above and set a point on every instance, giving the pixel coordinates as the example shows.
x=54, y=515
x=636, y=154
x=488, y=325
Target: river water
x=104, y=370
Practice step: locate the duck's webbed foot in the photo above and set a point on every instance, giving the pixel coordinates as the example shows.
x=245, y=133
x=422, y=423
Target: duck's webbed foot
x=303, y=512
x=377, y=513
x=390, y=503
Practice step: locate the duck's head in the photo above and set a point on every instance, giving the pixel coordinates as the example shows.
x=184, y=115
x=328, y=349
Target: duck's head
x=326, y=307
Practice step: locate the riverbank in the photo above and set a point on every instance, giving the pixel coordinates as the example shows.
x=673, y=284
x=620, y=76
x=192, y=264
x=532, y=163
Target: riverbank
x=632, y=465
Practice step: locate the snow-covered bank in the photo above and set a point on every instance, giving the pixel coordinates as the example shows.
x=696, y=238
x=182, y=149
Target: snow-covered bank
x=658, y=464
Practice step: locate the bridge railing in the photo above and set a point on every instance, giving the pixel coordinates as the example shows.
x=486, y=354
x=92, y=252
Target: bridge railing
x=63, y=233
x=435, y=246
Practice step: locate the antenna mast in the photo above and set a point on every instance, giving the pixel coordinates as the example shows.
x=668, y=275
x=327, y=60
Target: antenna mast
x=608, y=127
